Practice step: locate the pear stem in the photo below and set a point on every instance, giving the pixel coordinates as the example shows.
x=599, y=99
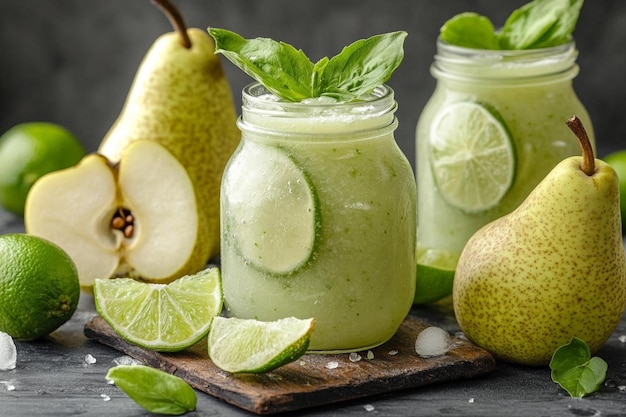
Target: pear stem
x=176, y=19
x=588, y=165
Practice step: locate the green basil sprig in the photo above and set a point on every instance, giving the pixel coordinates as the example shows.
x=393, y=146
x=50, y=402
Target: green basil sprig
x=288, y=73
x=538, y=24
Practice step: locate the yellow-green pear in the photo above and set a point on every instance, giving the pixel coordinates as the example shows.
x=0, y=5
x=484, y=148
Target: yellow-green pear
x=181, y=99
x=552, y=269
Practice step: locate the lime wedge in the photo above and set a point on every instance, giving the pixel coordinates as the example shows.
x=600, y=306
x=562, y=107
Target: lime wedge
x=247, y=345
x=161, y=317
x=434, y=275
x=472, y=156
x=275, y=211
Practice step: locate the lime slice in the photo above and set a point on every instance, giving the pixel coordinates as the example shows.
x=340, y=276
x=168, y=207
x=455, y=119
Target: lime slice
x=275, y=211
x=246, y=345
x=472, y=156
x=434, y=275
x=161, y=317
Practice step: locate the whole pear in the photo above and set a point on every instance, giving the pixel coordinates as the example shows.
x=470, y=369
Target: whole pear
x=181, y=99
x=552, y=269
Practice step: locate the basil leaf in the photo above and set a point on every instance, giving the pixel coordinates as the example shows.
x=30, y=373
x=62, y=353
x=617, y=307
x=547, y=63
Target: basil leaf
x=469, y=30
x=155, y=390
x=540, y=24
x=573, y=368
x=290, y=74
x=360, y=67
x=277, y=65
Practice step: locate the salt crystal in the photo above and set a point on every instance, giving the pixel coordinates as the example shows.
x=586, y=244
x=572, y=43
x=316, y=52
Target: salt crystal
x=302, y=363
x=89, y=359
x=8, y=353
x=471, y=401
x=126, y=360
x=460, y=335
x=621, y=387
x=354, y=357
x=622, y=338
x=332, y=365
x=105, y=397
x=432, y=341
x=8, y=385
x=393, y=352
x=368, y=407
x=370, y=355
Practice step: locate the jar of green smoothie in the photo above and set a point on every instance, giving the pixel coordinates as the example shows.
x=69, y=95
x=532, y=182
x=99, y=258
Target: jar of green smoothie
x=318, y=212
x=492, y=130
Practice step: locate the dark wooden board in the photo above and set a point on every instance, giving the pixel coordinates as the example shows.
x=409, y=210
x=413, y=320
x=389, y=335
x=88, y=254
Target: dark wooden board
x=309, y=382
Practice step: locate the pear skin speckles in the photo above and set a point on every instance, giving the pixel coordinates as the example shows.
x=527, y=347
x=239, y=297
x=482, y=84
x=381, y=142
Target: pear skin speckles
x=552, y=269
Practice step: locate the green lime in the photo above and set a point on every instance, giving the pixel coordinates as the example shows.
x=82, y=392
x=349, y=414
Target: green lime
x=29, y=151
x=39, y=287
x=162, y=317
x=617, y=160
x=434, y=275
x=277, y=212
x=247, y=345
x=472, y=156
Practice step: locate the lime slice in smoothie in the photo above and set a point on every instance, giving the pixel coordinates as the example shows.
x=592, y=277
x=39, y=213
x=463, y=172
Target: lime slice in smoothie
x=472, y=156
x=277, y=212
x=161, y=317
x=246, y=345
x=434, y=275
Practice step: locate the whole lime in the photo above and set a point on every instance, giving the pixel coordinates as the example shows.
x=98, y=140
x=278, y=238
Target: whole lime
x=28, y=151
x=39, y=288
x=617, y=160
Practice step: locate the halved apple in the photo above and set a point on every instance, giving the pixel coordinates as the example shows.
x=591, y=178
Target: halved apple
x=138, y=218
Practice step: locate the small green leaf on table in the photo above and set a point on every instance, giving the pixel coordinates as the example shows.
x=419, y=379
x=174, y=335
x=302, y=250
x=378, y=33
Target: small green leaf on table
x=575, y=370
x=155, y=390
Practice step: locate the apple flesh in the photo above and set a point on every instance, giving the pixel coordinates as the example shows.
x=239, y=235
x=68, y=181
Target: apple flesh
x=137, y=218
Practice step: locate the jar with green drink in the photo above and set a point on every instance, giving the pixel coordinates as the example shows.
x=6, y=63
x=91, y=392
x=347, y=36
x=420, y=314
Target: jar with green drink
x=318, y=212
x=492, y=130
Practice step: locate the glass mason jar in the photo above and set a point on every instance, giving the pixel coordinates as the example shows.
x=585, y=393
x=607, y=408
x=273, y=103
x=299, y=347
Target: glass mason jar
x=492, y=130
x=318, y=217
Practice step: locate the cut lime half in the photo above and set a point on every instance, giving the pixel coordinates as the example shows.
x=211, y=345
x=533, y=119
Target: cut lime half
x=472, y=156
x=273, y=211
x=434, y=274
x=161, y=317
x=246, y=345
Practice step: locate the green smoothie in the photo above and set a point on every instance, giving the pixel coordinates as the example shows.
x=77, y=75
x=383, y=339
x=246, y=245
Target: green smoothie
x=492, y=130
x=319, y=218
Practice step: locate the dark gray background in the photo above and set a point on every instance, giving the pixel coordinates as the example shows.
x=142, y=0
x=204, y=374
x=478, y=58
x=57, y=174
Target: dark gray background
x=72, y=61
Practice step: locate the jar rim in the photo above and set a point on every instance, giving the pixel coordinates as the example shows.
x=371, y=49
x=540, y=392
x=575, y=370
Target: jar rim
x=539, y=65
x=256, y=96
x=266, y=115
x=447, y=49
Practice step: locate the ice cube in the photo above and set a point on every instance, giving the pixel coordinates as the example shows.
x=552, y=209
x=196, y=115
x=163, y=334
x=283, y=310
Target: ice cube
x=8, y=352
x=432, y=341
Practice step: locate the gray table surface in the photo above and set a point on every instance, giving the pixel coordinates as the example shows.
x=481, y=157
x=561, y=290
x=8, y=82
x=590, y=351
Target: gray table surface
x=52, y=378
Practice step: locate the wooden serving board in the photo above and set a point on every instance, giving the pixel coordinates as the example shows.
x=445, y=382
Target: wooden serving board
x=312, y=380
